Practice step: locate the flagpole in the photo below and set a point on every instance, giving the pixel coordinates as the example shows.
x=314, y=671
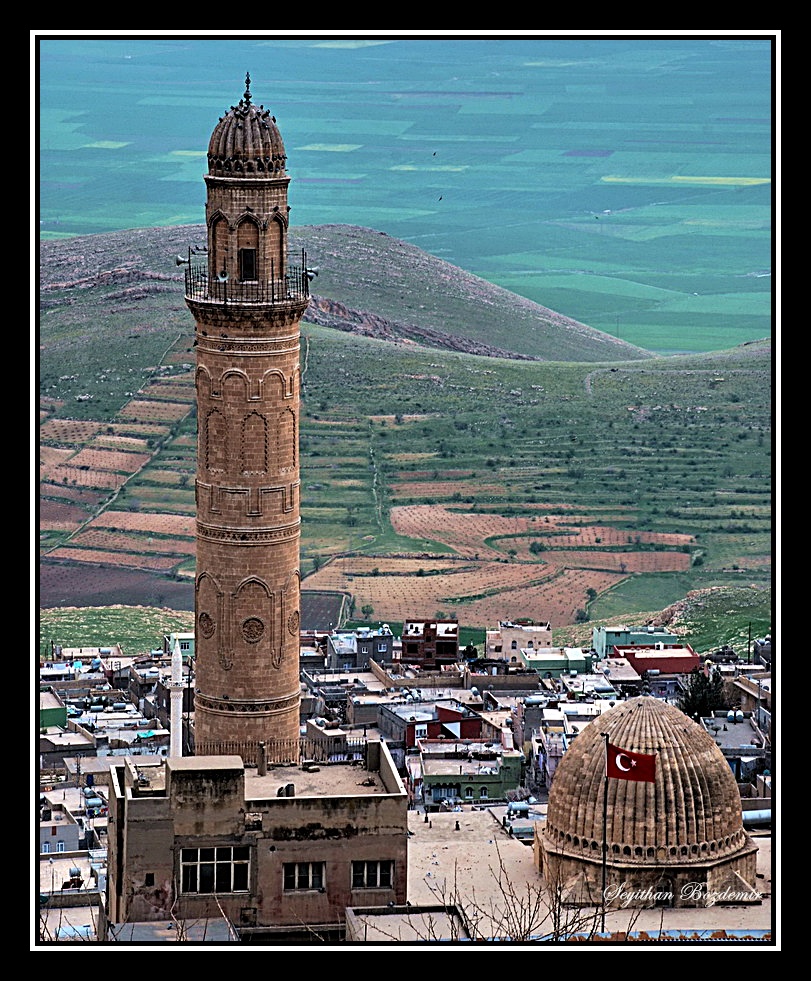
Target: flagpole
x=605, y=827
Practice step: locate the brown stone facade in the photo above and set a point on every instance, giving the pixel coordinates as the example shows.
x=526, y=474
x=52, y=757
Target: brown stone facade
x=247, y=306
x=204, y=838
x=248, y=524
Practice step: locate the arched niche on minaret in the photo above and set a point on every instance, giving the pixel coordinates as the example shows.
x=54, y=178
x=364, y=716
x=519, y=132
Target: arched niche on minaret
x=275, y=250
x=254, y=449
x=208, y=602
x=274, y=385
x=218, y=238
x=256, y=635
x=248, y=250
x=215, y=442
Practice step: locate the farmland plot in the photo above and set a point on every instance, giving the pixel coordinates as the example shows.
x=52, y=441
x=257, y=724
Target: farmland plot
x=110, y=541
x=154, y=563
x=556, y=600
x=177, y=525
x=78, y=495
x=60, y=516
x=115, y=461
x=51, y=458
x=445, y=488
x=479, y=585
x=74, y=431
x=145, y=411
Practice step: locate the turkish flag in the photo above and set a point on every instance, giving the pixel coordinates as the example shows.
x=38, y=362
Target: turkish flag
x=625, y=765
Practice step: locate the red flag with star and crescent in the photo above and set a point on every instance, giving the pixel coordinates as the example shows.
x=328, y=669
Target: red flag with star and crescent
x=625, y=765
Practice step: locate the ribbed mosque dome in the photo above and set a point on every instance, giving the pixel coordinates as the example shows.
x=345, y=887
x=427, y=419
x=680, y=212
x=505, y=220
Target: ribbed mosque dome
x=691, y=812
x=246, y=142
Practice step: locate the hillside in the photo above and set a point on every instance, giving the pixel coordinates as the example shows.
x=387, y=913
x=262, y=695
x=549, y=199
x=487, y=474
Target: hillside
x=126, y=286
x=441, y=473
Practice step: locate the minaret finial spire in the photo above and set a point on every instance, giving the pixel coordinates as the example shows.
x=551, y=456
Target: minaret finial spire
x=247, y=96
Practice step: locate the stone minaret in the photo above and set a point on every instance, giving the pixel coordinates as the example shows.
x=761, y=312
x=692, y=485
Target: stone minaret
x=247, y=303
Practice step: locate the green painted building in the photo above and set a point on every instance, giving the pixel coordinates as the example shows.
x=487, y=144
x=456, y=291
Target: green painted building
x=604, y=639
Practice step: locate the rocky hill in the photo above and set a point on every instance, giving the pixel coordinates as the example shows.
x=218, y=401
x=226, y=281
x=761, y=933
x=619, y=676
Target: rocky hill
x=367, y=283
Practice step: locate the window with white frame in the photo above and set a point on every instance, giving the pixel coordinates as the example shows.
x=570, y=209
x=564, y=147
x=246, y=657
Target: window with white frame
x=303, y=875
x=373, y=874
x=222, y=868
x=421, y=731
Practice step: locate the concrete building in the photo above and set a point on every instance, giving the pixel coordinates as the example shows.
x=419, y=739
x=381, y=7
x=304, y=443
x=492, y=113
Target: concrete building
x=278, y=851
x=663, y=668
x=460, y=771
x=348, y=649
x=430, y=644
x=604, y=639
x=406, y=722
x=510, y=637
x=552, y=662
x=620, y=674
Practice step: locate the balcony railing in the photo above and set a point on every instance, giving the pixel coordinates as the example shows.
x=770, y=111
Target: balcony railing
x=294, y=286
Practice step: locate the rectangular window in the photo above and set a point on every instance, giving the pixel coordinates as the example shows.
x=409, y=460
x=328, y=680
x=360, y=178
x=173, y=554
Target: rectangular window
x=373, y=875
x=209, y=870
x=382, y=648
x=421, y=731
x=247, y=263
x=46, y=847
x=60, y=846
x=303, y=875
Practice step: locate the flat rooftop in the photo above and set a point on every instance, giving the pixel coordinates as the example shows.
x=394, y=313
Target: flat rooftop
x=322, y=780
x=483, y=863
x=309, y=779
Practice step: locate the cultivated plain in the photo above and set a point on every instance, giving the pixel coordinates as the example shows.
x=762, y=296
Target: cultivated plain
x=465, y=452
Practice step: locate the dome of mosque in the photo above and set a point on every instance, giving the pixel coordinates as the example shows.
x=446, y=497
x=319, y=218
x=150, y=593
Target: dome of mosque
x=246, y=142
x=690, y=811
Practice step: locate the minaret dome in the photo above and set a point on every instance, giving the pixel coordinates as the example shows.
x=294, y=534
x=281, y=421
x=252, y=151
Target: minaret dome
x=246, y=141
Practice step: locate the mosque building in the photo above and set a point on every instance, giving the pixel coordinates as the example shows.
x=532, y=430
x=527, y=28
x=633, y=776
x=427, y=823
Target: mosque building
x=673, y=836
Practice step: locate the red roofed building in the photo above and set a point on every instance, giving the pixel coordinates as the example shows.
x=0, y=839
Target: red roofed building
x=662, y=658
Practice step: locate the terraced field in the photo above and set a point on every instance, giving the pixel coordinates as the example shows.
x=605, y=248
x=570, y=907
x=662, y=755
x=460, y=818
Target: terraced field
x=432, y=480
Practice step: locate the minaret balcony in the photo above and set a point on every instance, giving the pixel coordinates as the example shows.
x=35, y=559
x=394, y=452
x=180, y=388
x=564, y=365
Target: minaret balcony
x=294, y=288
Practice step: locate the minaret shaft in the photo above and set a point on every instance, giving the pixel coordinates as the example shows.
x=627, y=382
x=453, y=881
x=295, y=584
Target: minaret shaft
x=247, y=304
